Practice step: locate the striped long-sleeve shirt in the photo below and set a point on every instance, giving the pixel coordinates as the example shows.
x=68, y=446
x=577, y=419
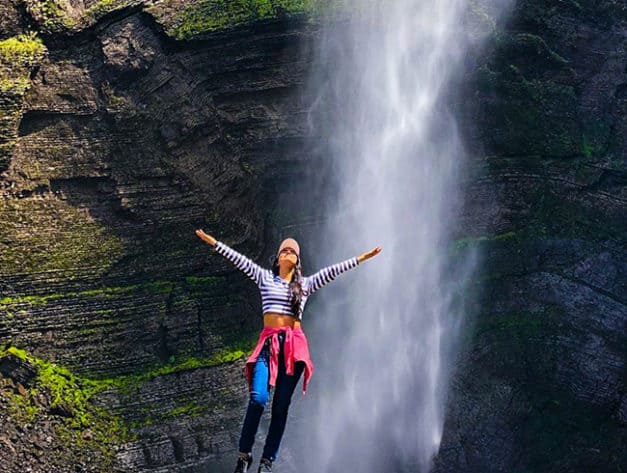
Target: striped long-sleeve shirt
x=275, y=293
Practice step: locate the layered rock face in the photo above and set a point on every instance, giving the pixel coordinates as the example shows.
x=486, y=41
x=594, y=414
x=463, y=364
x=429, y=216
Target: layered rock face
x=121, y=143
x=541, y=386
x=125, y=127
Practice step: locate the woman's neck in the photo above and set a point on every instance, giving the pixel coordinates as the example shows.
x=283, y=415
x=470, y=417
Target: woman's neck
x=286, y=274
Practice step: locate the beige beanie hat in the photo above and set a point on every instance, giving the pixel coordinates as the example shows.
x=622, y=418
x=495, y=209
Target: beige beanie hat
x=289, y=243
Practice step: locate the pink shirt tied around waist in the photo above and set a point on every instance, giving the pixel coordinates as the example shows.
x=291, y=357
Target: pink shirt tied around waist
x=295, y=348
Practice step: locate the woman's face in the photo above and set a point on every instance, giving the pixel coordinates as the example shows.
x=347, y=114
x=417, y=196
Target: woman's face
x=288, y=257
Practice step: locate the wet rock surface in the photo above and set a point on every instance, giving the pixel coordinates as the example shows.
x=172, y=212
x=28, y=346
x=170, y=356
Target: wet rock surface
x=542, y=381
x=125, y=140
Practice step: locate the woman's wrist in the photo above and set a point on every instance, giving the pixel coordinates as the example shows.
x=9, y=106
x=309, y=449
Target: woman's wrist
x=210, y=240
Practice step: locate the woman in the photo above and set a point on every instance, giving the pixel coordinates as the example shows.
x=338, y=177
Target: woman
x=281, y=355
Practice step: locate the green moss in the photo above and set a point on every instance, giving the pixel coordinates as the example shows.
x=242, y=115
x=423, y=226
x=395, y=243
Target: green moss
x=17, y=86
x=117, y=103
x=17, y=56
x=533, y=116
x=190, y=409
x=72, y=395
x=518, y=325
x=21, y=354
x=65, y=389
x=463, y=243
x=102, y=7
x=187, y=363
x=234, y=349
x=206, y=16
x=248, y=168
x=597, y=131
x=201, y=284
x=524, y=113
x=21, y=407
x=24, y=50
x=152, y=287
x=153, y=414
x=53, y=17
x=39, y=235
x=184, y=407
x=63, y=16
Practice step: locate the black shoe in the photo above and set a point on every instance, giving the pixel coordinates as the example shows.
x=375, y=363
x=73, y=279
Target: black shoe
x=265, y=466
x=243, y=463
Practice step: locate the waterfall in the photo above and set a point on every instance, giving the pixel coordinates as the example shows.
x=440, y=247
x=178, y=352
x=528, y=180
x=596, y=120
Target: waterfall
x=383, y=335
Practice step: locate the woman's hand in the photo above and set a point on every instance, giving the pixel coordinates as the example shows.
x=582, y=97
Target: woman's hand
x=206, y=238
x=369, y=254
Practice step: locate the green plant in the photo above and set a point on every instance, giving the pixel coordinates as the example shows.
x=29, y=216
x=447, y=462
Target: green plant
x=73, y=396
x=24, y=50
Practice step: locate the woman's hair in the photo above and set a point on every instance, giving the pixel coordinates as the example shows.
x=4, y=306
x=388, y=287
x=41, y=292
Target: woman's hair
x=296, y=286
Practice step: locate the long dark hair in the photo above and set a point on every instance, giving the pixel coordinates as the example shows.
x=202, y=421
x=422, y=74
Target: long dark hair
x=296, y=286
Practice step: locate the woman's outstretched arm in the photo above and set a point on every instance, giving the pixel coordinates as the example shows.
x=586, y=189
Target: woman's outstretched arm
x=328, y=274
x=241, y=262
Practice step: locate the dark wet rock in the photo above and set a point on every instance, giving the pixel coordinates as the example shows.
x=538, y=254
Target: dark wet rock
x=62, y=88
x=542, y=381
x=12, y=20
x=19, y=371
x=129, y=46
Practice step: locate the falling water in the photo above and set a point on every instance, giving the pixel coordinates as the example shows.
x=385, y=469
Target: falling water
x=383, y=335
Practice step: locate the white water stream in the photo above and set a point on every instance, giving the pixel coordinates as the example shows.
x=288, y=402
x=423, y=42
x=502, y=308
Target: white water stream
x=383, y=336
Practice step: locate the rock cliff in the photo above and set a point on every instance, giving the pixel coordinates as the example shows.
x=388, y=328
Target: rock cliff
x=127, y=124
x=541, y=387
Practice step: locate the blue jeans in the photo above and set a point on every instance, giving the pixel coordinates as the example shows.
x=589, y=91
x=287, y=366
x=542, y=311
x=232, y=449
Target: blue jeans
x=259, y=396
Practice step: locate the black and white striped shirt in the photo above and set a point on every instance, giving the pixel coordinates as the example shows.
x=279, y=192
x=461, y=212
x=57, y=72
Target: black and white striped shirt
x=275, y=294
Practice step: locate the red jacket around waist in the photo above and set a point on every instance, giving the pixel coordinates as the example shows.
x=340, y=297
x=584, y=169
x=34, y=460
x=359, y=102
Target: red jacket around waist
x=295, y=348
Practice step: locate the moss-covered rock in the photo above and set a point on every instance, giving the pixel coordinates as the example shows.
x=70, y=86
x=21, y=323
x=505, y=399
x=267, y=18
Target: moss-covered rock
x=65, y=415
x=65, y=17
x=21, y=51
x=18, y=55
x=45, y=234
x=185, y=20
x=60, y=403
x=531, y=116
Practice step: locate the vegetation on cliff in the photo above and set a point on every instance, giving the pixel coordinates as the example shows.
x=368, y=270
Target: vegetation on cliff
x=18, y=55
x=206, y=16
x=72, y=239
x=66, y=418
x=21, y=51
x=193, y=19
x=52, y=395
x=183, y=19
x=60, y=16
